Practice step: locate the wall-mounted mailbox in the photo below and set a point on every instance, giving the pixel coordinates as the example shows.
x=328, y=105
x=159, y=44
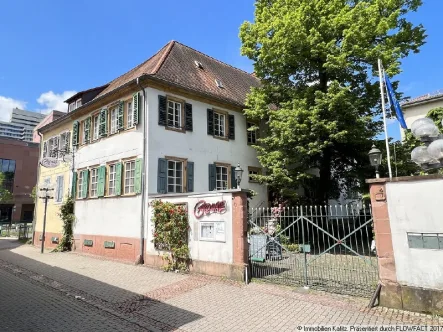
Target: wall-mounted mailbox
x=110, y=244
x=425, y=240
x=88, y=243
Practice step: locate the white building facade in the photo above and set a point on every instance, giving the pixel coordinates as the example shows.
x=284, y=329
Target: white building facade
x=151, y=135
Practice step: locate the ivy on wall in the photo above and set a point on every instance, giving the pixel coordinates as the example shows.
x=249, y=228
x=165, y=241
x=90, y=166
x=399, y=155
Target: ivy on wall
x=171, y=228
x=68, y=217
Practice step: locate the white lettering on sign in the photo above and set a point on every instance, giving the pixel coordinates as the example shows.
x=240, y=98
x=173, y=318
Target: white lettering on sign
x=49, y=162
x=202, y=208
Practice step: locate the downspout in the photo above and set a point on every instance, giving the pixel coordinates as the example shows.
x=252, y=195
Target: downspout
x=140, y=258
x=36, y=185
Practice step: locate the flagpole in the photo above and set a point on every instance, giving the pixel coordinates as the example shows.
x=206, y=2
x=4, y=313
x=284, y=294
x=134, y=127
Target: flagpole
x=383, y=107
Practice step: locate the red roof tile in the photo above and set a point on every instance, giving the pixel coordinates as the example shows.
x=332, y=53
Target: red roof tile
x=175, y=63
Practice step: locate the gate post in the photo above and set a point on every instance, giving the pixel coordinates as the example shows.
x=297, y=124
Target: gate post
x=390, y=295
x=240, y=228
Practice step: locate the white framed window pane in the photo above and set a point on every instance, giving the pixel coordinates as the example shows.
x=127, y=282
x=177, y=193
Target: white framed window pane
x=221, y=178
x=175, y=176
x=94, y=182
x=129, y=177
x=111, y=182
x=80, y=185
x=114, y=115
x=174, y=114
x=129, y=115
x=96, y=126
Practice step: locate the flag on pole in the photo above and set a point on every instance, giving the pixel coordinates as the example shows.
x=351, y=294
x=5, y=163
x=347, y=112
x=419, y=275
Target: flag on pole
x=393, y=102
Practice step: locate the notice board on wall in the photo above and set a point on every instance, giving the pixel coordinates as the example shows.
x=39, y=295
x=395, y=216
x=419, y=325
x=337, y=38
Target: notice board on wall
x=212, y=231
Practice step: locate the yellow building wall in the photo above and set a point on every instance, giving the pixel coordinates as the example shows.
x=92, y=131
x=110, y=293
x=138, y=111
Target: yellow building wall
x=53, y=221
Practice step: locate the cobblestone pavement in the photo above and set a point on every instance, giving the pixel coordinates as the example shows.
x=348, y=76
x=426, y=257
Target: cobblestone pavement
x=155, y=300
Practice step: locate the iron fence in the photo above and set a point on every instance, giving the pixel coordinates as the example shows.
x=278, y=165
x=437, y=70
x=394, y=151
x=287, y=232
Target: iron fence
x=322, y=247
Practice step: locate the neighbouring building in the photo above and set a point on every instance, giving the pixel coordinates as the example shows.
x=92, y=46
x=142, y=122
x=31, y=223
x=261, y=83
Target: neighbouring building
x=18, y=163
x=172, y=127
x=22, y=124
x=54, y=115
x=419, y=107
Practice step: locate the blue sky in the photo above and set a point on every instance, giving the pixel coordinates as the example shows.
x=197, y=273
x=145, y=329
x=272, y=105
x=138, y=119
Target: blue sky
x=54, y=48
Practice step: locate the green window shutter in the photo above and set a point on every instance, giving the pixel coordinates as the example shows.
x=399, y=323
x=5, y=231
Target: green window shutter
x=138, y=176
x=136, y=107
x=85, y=183
x=212, y=175
x=162, y=110
x=231, y=124
x=101, y=181
x=190, y=176
x=103, y=123
x=87, y=129
x=74, y=185
x=188, y=117
x=121, y=112
x=233, y=179
x=161, y=176
x=210, y=119
x=118, y=179
x=75, y=129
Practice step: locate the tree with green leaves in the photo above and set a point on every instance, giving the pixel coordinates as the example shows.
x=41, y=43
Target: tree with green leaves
x=5, y=194
x=319, y=97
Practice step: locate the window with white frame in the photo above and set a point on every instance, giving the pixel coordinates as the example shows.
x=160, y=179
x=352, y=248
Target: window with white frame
x=253, y=171
x=53, y=146
x=129, y=177
x=71, y=107
x=175, y=176
x=84, y=132
x=221, y=178
x=78, y=103
x=94, y=182
x=64, y=141
x=111, y=180
x=114, y=120
x=175, y=114
x=96, y=123
x=59, y=189
x=252, y=135
x=80, y=184
x=219, y=124
x=129, y=115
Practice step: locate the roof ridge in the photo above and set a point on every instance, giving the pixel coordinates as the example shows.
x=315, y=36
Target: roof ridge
x=140, y=65
x=223, y=63
x=162, y=60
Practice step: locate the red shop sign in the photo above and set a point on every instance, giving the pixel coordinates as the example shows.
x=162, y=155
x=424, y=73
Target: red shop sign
x=202, y=208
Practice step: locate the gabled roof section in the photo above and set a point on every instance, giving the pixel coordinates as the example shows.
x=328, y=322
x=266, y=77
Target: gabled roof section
x=79, y=94
x=175, y=63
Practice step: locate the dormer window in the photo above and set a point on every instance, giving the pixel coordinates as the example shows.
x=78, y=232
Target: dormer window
x=78, y=103
x=71, y=107
x=198, y=64
x=219, y=84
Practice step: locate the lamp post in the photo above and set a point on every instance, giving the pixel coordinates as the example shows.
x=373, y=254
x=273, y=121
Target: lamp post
x=375, y=159
x=430, y=155
x=238, y=174
x=45, y=188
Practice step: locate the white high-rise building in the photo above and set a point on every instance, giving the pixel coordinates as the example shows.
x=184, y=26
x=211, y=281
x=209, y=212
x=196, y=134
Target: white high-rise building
x=21, y=125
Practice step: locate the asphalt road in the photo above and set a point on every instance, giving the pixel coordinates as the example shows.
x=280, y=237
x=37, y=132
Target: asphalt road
x=26, y=305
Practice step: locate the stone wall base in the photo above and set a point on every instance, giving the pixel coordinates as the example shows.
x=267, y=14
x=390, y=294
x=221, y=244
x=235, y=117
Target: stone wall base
x=49, y=243
x=125, y=248
x=429, y=301
x=231, y=271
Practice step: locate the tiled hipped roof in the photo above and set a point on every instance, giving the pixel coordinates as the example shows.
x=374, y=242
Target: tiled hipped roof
x=175, y=64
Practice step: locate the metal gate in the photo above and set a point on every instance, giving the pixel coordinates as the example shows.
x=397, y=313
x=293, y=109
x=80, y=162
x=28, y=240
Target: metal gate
x=323, y=247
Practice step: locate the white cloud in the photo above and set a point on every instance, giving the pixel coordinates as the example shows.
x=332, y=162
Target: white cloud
x=54, y=101
x=6, y=106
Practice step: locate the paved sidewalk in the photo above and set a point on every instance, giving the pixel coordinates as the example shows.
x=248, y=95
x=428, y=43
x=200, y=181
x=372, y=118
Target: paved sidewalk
x=170, y=301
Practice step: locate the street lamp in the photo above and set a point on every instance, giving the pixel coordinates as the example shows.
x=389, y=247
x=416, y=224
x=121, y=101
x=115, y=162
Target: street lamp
x=238, y=174
x=45, y=189
x=375, y=159
x=430, y=155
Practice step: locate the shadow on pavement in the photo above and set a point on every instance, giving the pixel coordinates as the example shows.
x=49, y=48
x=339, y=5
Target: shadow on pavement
x=9, y=243
x=135, y=307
